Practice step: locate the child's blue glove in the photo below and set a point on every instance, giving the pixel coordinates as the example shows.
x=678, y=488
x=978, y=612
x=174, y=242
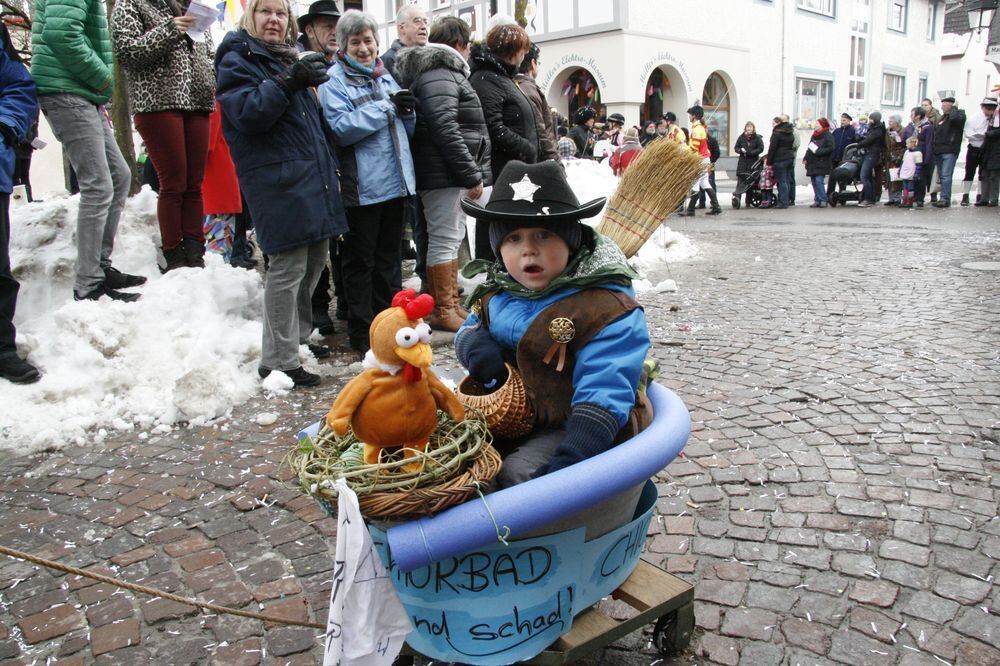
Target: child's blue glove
x=590, y=430
x=482, y=356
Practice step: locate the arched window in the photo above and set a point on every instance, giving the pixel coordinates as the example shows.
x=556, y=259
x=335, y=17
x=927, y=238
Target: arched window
x=716, y=102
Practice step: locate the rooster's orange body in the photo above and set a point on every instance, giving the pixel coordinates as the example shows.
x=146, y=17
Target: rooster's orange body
x=394, y=402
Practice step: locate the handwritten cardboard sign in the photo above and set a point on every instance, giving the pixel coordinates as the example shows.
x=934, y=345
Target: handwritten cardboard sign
x=503, y=604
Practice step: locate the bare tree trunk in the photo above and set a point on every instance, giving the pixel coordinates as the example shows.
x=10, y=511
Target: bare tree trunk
x=519, y=7
x=122, y=119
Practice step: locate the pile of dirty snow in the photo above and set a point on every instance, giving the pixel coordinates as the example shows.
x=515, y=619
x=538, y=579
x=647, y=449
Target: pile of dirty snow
x=186, y=351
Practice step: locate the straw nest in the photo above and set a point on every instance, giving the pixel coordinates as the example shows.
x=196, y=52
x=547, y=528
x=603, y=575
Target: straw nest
x=650, y=190
x=459, y=459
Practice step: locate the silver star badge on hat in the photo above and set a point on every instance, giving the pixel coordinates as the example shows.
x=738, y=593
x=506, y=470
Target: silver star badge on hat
x=524, y=190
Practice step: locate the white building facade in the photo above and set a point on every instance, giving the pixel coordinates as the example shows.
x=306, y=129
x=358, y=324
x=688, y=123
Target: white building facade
x=743, y=60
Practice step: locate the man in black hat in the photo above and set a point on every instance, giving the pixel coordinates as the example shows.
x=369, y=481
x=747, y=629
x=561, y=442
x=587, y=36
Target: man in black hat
x=319, y=29
x=559, y=301
x=583, y=122
x=947, y=144
x=319, y=35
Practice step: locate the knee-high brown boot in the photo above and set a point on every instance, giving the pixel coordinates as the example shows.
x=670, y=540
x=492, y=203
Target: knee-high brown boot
x=442, y=281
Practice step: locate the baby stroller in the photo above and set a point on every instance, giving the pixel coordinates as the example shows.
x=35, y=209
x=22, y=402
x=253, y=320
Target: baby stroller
x=848, y=172
x=757, y=184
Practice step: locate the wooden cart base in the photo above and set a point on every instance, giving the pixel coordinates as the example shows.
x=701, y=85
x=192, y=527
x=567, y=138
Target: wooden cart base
x=656, y=595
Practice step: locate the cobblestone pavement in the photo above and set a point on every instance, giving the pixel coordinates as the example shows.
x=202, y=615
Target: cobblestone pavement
x=837, y=501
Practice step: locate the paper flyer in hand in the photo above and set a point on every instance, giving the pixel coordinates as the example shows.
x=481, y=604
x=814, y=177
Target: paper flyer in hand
x=205, y=15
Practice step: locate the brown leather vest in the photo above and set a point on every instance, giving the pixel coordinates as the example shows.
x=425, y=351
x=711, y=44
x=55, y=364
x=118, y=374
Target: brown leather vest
x=549, y=386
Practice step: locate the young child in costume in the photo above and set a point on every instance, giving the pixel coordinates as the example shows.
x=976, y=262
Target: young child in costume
x=559, y=305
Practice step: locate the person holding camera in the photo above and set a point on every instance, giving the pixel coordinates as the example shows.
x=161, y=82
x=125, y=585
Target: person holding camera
x=372, y=120
x=286, y=168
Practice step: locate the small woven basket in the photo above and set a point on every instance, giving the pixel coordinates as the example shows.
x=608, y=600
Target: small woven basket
x=458, y=461
x=508, y=411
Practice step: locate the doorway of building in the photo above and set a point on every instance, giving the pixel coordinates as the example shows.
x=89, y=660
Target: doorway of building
x=580, y=89
x=664, y=92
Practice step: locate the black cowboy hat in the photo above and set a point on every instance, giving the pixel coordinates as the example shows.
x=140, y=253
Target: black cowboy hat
x=532, y=192
x=317, y=9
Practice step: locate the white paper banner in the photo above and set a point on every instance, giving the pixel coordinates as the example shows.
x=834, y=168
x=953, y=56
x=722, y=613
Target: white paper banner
x=367, y=623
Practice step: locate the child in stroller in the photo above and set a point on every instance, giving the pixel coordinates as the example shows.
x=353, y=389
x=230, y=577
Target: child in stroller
x=756, y=185
x=847, y=173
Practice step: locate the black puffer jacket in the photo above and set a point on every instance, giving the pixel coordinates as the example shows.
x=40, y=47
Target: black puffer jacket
x=948, y=132
x=874, y=140
x=749, y=150
x=782, y=145
x=451, y=146
x=509, y=116
x=819, y=162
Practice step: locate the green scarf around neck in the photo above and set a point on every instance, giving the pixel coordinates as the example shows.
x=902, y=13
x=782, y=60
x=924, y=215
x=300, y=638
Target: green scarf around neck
x=598, y=261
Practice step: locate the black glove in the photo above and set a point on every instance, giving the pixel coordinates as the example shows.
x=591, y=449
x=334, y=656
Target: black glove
x=590, y=430
x=405, y=101
x=304, y=73
x=481, y=354
x=9, y=135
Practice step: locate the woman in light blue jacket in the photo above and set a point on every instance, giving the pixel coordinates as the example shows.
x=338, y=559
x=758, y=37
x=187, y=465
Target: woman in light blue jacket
x=371, y=120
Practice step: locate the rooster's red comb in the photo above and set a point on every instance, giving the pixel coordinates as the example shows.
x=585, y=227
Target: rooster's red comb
x=415, y=306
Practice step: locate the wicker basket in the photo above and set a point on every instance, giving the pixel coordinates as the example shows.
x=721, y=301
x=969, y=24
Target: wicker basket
x=458, y=459
x=509, y=413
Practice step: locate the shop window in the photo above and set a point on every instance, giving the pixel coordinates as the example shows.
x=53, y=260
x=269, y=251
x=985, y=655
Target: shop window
x=812, y=98
x=716, y=102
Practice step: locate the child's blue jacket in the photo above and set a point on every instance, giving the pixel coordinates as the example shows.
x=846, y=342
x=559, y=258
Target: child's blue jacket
x=606, y=370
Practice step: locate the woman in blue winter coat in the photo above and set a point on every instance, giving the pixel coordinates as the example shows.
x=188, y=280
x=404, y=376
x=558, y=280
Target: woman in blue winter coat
x=287, y=172
x=372, y=121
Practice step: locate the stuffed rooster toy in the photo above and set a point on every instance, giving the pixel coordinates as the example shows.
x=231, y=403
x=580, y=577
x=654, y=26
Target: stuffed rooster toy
x=394, y=402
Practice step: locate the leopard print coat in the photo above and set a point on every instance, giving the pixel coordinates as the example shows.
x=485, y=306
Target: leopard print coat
x=165, y=70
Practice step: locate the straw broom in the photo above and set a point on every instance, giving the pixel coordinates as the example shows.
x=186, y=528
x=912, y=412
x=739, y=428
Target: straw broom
x=651, y=189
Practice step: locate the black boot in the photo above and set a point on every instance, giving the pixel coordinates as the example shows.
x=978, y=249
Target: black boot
x=176, y=258
x=15, y=369
x=194, y=253
x=322, y=322
x=965, y=199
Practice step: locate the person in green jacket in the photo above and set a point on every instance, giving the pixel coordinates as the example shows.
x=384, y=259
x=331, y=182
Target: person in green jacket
x=72, y=67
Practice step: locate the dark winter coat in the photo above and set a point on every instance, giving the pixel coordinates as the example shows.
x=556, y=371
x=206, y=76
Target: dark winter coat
x=18, y=111
x=543, y=117
x=948, y=132
x=782, y=144
x=874, y=140
x=509, y=116
x=749, y=150
x=581, y=137
x=819, y=162
x=389, y=57
x=166, y=70
x=280, y=146
x=991, y=148
x=451, y=145
x=842, y=138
